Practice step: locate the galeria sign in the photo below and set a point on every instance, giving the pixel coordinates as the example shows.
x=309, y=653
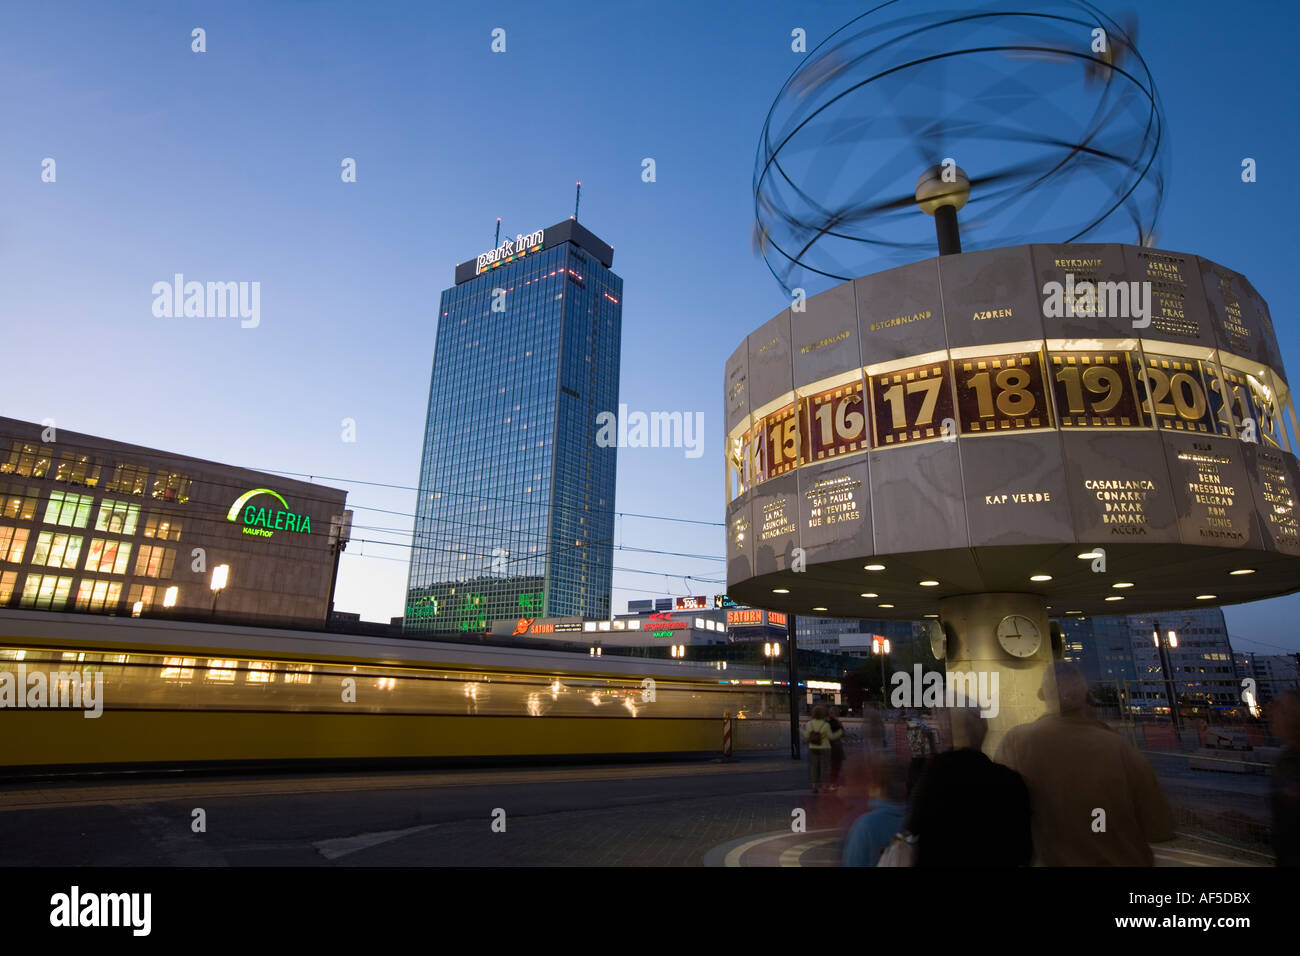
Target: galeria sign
x=264, y=522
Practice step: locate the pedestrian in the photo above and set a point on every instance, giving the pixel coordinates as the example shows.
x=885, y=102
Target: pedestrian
x=1284, y=794
x=872, y=832
x=837, y=747
x=1095, y=799
x=968, y=811
x=818, y=733
x=922, y=743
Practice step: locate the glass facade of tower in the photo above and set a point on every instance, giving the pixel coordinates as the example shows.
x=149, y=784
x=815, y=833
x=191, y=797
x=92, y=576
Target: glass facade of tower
x=515, y=514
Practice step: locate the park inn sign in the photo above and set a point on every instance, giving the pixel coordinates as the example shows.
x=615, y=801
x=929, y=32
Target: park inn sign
x=508, y=250
x=264, y=522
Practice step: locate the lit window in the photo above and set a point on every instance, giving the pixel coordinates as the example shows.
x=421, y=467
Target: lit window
x=128, y=479
x=46, y=591
x=8, y=583
x=17, y=502
x=69, y=510
x=108, y=556
x=95, y=595
x=166, y=527
x=155, y=561
x=178, y=668
x=30, y=461
x=297, y=673
x=78, y=469
x=144, y=594
x=222, y=670
x=171, y=487
x=13, y=542
x=260, y=672
x=117, y=517
x=57, y=550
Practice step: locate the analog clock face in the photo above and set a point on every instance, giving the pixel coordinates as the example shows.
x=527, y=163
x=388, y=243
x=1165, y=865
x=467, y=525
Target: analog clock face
x=1019, y=635
x=938, y=641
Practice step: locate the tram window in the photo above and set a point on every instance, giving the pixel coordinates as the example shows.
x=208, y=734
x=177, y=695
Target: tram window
x=260, y=672
x=222, y=670
x=297, y=673
x=178, y=668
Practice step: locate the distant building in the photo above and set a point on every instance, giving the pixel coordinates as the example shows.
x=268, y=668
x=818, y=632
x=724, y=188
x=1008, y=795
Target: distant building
x=647, y=605
x=1204, y=672
x=1102, y=648
x=852, y=637
x=657, y=622
x=644, y=629
x=1274, y=674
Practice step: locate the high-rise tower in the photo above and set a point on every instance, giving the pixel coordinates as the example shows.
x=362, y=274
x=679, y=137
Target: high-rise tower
x=515, y=510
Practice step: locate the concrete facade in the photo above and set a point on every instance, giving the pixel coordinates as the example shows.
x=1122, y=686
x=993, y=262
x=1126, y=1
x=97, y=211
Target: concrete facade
x=94, y=525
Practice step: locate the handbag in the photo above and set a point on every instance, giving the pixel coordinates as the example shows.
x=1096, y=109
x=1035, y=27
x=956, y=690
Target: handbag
x=900, y=852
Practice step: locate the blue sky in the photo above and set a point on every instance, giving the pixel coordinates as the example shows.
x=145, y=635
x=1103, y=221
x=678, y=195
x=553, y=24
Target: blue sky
x=225, y=166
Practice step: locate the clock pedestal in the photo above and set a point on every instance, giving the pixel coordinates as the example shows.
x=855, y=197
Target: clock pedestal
x=985, y=633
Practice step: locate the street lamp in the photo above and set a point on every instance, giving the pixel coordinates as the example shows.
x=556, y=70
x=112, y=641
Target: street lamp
x=1171, y=640
x=880, y=647
x=771, y=650
x=220, y=575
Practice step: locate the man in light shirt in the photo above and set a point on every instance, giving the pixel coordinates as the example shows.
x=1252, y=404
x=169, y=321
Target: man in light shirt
x=1095, y=800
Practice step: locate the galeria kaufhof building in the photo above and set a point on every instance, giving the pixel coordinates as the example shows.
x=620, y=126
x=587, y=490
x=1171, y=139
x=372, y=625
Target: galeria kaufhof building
x=89, y=524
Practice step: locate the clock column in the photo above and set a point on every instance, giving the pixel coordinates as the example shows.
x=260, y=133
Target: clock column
x=1006, y=635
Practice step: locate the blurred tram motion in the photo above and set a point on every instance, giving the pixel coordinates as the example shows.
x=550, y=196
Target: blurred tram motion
x=180, y=694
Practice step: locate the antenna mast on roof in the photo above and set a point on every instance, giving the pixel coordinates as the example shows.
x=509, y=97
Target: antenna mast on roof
x=576, y=198
x=497, y=241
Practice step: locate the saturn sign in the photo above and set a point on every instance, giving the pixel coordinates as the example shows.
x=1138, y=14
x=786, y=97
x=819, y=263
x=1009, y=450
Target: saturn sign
x=264, y=522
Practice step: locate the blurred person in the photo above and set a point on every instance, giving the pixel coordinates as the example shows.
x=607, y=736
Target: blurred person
x=922, y=743
x=1284, y=720
x=837, y=748
x=872, y=832
x=968, y=810
x=1076, y=766
x=873, y=729
x=818, y=732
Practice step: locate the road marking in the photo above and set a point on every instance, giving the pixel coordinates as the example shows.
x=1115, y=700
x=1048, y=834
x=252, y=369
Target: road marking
x=733, y=858
x=792, y=856
x=333, y=849
x=1264, y=857
x=1177, y=857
